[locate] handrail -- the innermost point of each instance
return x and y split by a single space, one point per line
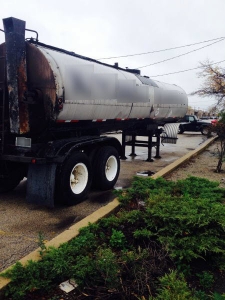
34 32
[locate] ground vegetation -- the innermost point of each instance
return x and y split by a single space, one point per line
166 241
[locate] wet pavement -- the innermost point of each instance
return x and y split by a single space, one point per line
21 223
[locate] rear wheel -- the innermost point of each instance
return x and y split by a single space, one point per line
205 130
75 179
106 168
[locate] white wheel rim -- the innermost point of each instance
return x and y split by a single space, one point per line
78 178
111 168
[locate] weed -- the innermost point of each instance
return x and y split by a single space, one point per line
41 243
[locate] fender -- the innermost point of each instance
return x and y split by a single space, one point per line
58 151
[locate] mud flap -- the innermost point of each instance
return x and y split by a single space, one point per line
41 184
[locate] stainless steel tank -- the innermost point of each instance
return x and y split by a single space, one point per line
47 85
94 91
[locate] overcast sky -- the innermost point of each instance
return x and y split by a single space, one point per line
106 28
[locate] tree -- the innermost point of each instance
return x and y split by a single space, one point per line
213 110
218 128
214 84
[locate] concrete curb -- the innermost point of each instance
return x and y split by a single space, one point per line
104 211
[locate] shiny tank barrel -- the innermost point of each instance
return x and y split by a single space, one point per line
49 87
94 91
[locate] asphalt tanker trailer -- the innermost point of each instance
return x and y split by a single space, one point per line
55 106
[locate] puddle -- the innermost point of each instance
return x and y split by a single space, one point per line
145 173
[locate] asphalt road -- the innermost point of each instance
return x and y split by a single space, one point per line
21 223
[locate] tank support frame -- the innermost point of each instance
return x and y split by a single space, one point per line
129 138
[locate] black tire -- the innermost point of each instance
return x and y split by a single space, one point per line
106 168
180 130
13 173
205 130
71 189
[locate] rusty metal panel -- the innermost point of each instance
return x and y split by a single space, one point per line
4 111
16 74
40 82
2 62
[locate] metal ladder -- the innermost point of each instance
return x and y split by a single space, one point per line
2 106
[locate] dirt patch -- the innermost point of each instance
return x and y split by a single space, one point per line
203 165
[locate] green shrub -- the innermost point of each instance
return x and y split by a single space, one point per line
107 266
160 225
187 217
173 287
206 280
117 239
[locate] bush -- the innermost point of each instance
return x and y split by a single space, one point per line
187 216
161 226
173 287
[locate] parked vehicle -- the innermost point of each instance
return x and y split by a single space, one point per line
54 107
192 123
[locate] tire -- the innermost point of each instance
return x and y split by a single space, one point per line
74 179
106 168
14 174
180 130
205 130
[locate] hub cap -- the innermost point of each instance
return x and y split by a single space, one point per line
78 178
111 168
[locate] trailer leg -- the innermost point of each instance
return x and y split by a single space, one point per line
133 145
150 149
157 146
123 156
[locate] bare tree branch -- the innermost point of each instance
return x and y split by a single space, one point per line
214 84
